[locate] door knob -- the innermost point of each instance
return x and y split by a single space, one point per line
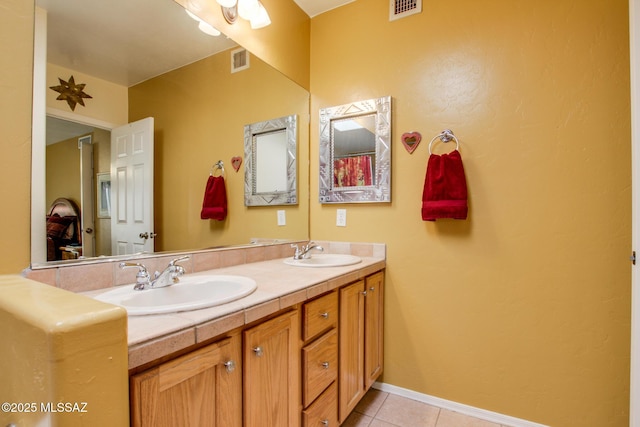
88 230
144 235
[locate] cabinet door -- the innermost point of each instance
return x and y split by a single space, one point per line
373 327
272 373
351 372
197 389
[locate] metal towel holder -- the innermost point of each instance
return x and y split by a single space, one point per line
218 165
445 136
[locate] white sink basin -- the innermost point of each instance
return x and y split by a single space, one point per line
191 293
324 260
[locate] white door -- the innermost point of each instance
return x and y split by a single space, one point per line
634 29
87 196
132 188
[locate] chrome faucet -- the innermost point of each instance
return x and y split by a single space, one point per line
303 252
169 275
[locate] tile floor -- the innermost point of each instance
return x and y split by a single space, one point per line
382 409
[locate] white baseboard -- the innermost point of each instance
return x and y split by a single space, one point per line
483 414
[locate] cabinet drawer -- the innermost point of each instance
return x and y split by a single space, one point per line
324 411
319 366
319 315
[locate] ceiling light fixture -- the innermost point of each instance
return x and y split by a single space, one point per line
203 26
250 10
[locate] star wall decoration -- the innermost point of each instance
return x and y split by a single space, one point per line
71 92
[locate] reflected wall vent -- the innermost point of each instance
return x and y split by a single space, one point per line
239 60
403 8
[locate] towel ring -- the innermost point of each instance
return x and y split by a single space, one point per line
445 136
218 165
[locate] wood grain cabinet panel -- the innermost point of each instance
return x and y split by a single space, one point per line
319 315
272 373
202 388
361 340
319 366
324 411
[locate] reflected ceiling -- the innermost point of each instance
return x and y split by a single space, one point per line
88 42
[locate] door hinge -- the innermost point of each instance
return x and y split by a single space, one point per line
633 258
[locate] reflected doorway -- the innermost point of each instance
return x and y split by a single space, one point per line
75 154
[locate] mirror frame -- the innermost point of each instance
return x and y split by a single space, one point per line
380 191
252 132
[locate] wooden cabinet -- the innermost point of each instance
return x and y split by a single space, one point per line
202 388
373 328
320 361
272 372
361 342
324 411
285 371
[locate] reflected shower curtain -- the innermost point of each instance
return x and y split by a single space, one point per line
352 171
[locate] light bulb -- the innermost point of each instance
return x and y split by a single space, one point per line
261 18
192 15
208 29
227 3
247 9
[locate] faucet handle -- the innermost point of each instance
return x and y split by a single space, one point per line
182 258
142 276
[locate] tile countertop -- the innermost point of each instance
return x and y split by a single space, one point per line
279 286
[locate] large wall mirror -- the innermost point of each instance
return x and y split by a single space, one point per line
198 104
355 152
270 150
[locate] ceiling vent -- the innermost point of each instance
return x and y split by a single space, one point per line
403 8
239 60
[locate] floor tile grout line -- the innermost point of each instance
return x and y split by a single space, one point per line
381 405
438 416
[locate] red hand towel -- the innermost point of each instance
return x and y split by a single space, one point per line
214 205
445 188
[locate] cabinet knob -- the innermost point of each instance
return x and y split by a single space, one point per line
230 365
324 315
364 293
258 351
372 288
325 365
324 422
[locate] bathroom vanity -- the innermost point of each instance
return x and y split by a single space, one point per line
301 350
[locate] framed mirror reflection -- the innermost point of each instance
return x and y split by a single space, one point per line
270 154
355 152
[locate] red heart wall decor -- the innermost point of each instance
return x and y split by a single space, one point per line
410 140
236 161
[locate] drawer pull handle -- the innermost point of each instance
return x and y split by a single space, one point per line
258 351
230 365
325 365
324 315
324 422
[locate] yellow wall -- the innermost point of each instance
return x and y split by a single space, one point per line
200 112
524 308
63 171
108 103
16 49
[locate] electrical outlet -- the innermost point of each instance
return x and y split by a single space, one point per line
282 218
341 217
